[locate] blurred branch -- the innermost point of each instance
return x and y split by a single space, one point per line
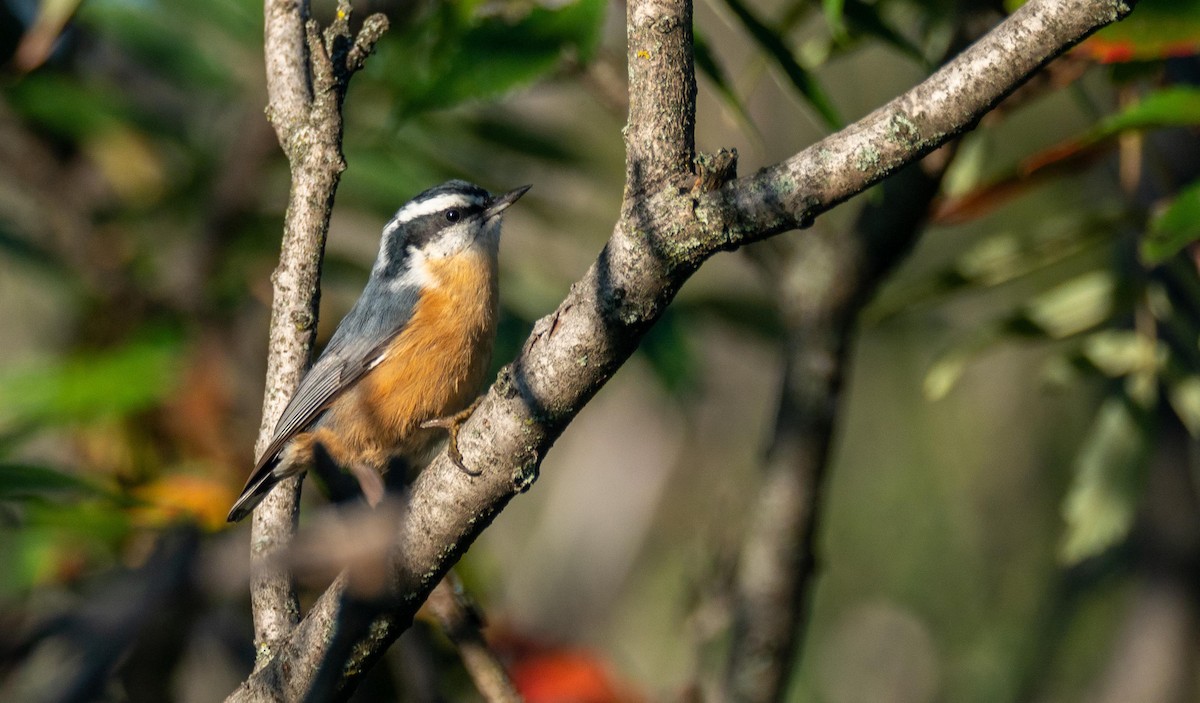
461 622
77 651
307 77
667 229
821 284
772 42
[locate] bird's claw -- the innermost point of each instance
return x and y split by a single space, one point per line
452 423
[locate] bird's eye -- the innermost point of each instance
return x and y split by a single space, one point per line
453 215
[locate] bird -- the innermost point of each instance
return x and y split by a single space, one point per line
405 363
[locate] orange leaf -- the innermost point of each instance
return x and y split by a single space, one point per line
1068 157
565 676
175 496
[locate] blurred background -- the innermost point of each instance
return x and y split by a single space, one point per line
1009 510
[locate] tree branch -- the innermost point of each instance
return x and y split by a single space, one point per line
463 624
304 106
660 136
821 283
658 243
951 101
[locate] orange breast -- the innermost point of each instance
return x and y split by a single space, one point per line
434 368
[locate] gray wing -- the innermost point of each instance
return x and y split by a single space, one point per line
356 347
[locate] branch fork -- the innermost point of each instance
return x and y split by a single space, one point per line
671 221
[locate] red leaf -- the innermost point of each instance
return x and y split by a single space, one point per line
565 676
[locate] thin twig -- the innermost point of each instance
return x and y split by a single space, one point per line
463 624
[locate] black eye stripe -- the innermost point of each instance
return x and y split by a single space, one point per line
458 214
421 230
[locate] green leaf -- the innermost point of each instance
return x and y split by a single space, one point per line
1184 396
946 371
458 55
1170 107
1008 256
773 44
21 481
1173 228
1100 505
1073 306
1118 353
706 61
835 18
99 385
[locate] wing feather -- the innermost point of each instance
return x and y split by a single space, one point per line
357 346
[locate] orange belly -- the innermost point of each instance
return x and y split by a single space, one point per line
434 368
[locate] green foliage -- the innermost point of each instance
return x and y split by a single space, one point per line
1073 306
1175 227
472 52
176 78
156 37
59 541
1130 325
68 107
1167 107
90 386
28 482
1109 475
803 81
835 17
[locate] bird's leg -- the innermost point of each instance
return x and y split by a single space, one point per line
452 423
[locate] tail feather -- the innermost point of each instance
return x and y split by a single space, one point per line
256 489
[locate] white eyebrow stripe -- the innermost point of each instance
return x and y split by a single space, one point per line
412 211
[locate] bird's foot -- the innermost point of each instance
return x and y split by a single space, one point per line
452 423
370 482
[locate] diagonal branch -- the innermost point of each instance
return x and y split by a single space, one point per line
463 624
661 239
951 101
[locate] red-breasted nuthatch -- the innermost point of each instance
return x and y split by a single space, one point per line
408 358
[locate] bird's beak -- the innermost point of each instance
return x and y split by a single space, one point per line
501 202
